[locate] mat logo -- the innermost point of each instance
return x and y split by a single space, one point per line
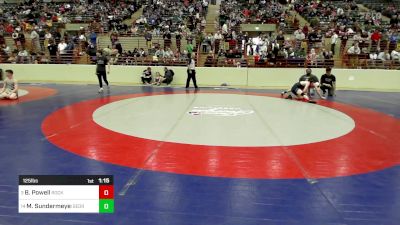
219 111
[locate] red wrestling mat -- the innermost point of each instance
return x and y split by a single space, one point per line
35 93
372 145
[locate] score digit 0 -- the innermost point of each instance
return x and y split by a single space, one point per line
106 192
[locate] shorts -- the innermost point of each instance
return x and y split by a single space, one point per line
295 88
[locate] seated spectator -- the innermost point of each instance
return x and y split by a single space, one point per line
312 57
384 55
147 76
23 56
395 55
327 54
5 49
12 58
354 50
373 55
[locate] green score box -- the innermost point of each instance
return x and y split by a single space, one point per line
106 206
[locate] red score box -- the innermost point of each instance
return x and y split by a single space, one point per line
106 192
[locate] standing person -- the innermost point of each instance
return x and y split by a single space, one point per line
178 37
21 37
334 40
101 72
191 72
53 49
42 34
148 36
35 42
62 51
10 88
328 82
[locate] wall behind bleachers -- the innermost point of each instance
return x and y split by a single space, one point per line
371 79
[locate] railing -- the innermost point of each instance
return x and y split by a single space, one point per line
348 61
68 57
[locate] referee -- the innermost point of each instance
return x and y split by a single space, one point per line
101 72
191 72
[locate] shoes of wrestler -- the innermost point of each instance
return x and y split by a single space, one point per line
289 97
101 90
283 93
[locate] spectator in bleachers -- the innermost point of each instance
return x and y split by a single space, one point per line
375 38
354 49
23 56
395 55
148 36
35 42
312 57
373 55
12 58
62 46
383 55
53 49
334 40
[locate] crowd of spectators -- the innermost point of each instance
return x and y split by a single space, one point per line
368 32
41 22
233 13
170 20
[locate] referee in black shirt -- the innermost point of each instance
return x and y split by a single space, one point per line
191 72
101 72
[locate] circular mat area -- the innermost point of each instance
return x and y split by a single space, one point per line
227 134
223 120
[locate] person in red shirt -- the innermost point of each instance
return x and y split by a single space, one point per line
9 28
246 12
375 37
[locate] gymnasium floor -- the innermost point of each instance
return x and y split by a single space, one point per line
213 156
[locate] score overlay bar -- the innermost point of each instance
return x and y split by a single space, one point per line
66 194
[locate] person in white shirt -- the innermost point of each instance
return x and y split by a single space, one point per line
373 55
35 40
299 35
384 55
334 39
61 47
5 49
62 50
205 5
395 55
191 72
312 57
225 28
354 50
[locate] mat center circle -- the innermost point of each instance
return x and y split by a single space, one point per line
223 120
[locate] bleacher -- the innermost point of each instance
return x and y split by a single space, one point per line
130 41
